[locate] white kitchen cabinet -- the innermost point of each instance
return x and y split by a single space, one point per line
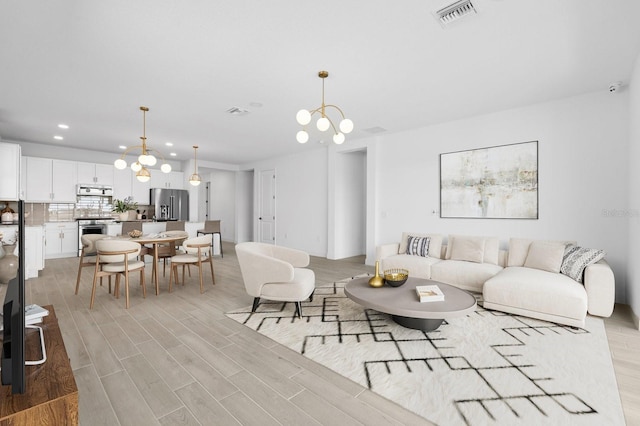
50 181
114 229
172 180
122 184
9 171
101 174
125 184
33 250
61 239
140 191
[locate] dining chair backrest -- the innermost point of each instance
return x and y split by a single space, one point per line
175 225
130 226
187 246
89 243
212 226
106 246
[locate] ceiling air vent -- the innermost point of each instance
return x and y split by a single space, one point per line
237 111
455 11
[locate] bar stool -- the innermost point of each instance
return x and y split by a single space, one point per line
212 227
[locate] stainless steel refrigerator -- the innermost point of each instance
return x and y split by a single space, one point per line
170 204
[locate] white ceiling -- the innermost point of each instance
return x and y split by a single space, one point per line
91 64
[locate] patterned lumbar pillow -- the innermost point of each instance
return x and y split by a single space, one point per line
418 246
576 259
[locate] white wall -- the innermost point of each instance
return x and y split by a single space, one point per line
583 146
222 201
350 200
633 265
301 200
244 206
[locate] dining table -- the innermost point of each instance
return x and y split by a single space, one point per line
155 240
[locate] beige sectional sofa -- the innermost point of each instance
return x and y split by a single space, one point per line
524 280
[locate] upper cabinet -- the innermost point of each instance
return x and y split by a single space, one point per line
173 180
50 181
9 171
102 174
126 185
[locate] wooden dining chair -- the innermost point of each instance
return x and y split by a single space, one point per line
168 250
212 227
130 226
175 225
196 252
118 257
87 255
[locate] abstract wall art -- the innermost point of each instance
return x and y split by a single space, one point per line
499 182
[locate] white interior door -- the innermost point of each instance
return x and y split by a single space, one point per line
267 213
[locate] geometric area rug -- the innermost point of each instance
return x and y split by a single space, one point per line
486 368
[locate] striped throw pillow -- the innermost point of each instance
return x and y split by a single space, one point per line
576 259
418 246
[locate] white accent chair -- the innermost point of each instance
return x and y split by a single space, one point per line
275 273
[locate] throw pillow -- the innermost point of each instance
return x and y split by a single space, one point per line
470 249
418 246
576 259
519 248
545 255
435 243
491 250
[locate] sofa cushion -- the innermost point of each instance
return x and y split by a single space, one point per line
519 248
470 249
465 275
576 259
419 267
435 243
535 290
418 246
490 253
545 255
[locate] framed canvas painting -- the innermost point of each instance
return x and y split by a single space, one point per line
499 182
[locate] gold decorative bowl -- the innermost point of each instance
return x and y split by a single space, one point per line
396 277
136 233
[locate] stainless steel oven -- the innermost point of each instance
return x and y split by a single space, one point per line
91 226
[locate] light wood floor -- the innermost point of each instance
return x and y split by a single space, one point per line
176 359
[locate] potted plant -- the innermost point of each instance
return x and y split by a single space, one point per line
122 207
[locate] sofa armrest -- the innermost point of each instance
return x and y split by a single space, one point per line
386 250
600 285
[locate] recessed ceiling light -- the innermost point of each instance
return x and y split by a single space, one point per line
237 111
173 154
59 138
63 126
169 144
122 147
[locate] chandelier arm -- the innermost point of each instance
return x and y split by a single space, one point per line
129 149
335 131
338 108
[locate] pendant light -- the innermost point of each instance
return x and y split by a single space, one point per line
194 179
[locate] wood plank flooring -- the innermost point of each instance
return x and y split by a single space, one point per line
175 359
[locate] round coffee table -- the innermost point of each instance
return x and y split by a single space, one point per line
403 305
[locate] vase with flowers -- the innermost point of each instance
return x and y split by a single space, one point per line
123 207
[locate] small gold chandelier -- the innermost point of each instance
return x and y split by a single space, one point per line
304 117
145 158
194 179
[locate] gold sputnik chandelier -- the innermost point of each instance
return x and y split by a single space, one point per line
324 122
146 158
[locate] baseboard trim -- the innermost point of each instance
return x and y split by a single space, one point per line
636 320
